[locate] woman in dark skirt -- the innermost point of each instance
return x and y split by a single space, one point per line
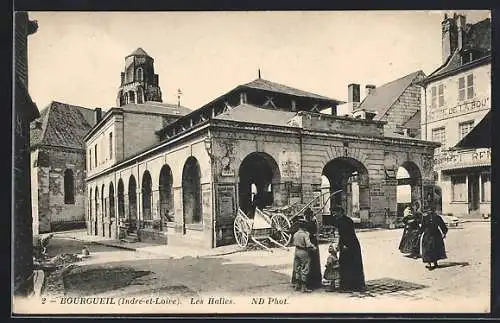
410 241
432 241
352 277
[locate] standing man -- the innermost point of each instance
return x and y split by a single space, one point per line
302 258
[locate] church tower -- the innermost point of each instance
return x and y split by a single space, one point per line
139 83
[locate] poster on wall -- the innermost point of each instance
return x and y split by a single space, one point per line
429 198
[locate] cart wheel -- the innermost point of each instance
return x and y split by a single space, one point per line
281 229
241 231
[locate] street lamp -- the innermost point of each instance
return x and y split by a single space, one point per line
208 146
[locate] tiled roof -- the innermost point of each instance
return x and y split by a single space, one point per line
62 125
250 113
382 98
157 107
139 52
479 136
477 39
266 85
413 122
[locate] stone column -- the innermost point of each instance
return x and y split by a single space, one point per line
390 191
140 217
155 204
89 217
178 210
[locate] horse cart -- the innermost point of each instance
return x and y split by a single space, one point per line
274 224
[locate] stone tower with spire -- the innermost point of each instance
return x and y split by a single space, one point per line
139 83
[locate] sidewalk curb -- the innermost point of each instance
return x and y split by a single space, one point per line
112 245
103 243
475 220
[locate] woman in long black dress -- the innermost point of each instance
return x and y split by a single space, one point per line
314 280
410 241
432 241
352 277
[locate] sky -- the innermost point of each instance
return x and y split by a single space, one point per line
77 57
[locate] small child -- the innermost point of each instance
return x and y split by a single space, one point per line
332 275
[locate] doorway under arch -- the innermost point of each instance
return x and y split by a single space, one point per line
259 178
166 196
91 219
96 206
351 177
146 196
103 211
121 200
191 192
409 189
111 196
132 202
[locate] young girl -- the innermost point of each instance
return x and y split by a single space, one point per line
332 275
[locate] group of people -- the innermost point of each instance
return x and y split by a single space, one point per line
423 236
344 265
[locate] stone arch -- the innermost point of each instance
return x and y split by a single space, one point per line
409 178
121 199
90 216
132 203
259 177
140 74
351 177
355 153
103 209
96 207
165 188
131 96
111 196
146 191
191 191
140 95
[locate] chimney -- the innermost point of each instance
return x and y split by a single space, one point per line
448 36
460 21
352 97
333 110
369 89
97 115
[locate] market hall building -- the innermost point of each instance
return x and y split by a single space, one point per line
172 176
456 112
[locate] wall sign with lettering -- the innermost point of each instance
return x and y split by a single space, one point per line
451 159
462 108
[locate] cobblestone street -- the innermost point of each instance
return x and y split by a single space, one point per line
395 283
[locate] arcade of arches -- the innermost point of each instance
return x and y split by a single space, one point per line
260 181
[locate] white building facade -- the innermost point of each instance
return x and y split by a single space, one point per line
457 97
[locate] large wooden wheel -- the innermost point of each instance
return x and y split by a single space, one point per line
281 229
242 231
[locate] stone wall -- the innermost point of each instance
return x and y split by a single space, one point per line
140 132
403 109
53 213
174 157
346 125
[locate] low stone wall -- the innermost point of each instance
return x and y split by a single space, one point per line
150 235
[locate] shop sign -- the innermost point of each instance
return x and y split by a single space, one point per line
462 108
463 158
